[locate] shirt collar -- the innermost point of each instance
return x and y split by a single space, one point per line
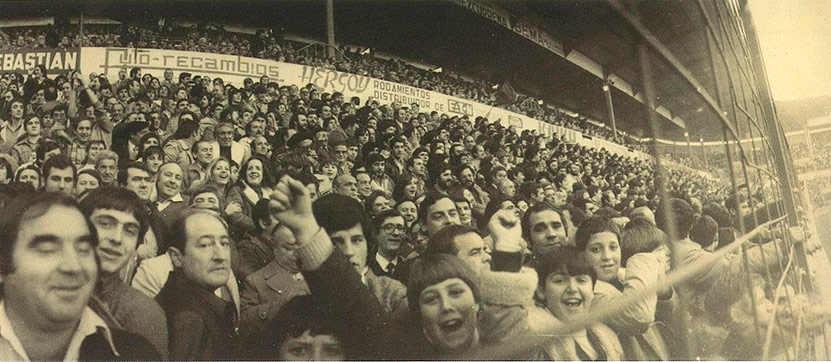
176 198
89 324
383 262
363 274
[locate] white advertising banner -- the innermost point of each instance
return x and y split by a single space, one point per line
230 68
234 69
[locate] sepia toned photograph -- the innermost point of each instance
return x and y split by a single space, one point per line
599 180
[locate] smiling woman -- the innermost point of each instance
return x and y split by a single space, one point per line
443 295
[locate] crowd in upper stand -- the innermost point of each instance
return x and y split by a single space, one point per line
215 39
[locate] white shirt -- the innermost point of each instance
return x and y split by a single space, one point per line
11 349
133 149
384 263
163 205
363 274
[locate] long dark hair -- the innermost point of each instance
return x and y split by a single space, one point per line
268 175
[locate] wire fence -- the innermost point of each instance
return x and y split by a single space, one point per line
776 288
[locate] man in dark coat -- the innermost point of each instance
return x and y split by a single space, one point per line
201 326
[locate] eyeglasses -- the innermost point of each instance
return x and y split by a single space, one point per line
390 228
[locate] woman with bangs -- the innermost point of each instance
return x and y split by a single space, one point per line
642 249
219 176
406 187
444 299
566 291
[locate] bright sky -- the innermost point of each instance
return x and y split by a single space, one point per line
795 36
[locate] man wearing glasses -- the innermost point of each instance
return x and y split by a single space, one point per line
391 232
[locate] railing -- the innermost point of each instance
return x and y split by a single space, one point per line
780 329
677 279
321 51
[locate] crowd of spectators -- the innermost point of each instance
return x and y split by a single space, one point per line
186 218
215 39
821 160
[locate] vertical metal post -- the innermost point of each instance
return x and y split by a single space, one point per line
689 146
775 133
607 90
330 28
679 318
81 28
741 230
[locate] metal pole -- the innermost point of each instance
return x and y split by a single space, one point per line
776 135
689 146
330 28
81 28
745 263
679 320
607 90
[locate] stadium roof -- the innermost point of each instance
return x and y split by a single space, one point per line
592 35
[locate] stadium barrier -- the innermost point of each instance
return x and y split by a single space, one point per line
520 345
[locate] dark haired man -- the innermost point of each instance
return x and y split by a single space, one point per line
390 231
49 269
441 178
376 164
59 175
544 228
256 250
136 178
437 211
120 222
349 228
396 165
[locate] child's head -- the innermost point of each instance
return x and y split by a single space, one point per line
599 239
300 331
643 239
704 232
566 282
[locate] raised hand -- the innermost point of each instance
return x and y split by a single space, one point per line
504 227
233 208
292 206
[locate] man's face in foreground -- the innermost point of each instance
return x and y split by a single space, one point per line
54 268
